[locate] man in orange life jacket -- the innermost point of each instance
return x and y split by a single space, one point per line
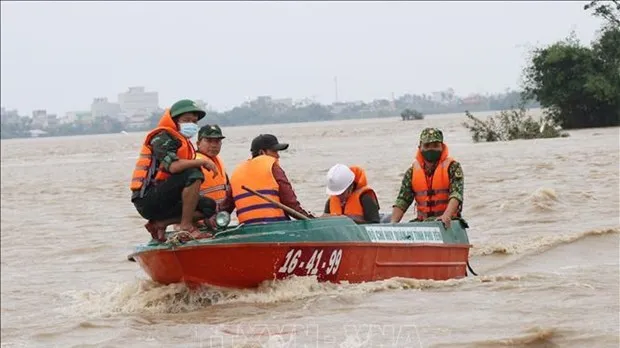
209 146
263 174
435 181
350 195
167 176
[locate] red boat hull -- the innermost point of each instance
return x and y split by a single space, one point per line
248 265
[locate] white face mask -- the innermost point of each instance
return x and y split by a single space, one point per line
188 129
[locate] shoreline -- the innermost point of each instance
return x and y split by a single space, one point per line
534 111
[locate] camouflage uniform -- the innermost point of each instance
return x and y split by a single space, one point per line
212 131
164 201
165 150
455 173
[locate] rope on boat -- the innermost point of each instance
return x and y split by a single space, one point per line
174 238
470 269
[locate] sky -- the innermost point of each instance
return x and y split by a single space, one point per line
59 56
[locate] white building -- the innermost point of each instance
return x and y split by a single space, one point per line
41 119
138 120
70 117
137 101
101 107
82 117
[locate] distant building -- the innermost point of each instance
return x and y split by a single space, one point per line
51 121
84 117
303 102
444 97
338 107
39 118
261 102
101 107
10 116
42 120
380 104
138 120
70 117
288 102
81 117
137 101
473 99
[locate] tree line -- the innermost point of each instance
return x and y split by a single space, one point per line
578 86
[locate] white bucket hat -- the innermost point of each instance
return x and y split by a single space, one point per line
339 177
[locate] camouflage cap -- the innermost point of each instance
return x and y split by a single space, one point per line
431 135
210 131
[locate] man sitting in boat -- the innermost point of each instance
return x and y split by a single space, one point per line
350 195
166 180
209 146
263 174
435 181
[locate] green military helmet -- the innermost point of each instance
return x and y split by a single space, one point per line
212 131
186 105
431 135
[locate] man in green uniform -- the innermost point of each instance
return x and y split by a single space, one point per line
431 153
175 198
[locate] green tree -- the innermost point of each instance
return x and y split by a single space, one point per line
19 129
580 86
608 10
409 114
510 125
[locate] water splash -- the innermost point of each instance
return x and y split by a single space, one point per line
145 296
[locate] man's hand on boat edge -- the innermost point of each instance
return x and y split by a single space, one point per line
446 220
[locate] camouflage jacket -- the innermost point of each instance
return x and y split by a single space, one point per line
165 149
405 194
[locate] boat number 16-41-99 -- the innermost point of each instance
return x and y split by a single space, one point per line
310 261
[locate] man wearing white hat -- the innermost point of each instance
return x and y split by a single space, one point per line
350 195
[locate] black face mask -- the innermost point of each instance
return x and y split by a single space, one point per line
431 155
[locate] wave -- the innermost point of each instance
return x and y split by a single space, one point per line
543 199
534 337
538 244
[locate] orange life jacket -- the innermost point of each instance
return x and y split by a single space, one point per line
145 169
431 193
214 188
353 206
256 174
360 176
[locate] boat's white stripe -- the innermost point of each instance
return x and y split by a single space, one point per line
410 234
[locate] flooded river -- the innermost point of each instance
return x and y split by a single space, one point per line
544 217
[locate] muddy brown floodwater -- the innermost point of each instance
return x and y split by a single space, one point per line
544 217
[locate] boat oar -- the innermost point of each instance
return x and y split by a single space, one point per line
290 211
